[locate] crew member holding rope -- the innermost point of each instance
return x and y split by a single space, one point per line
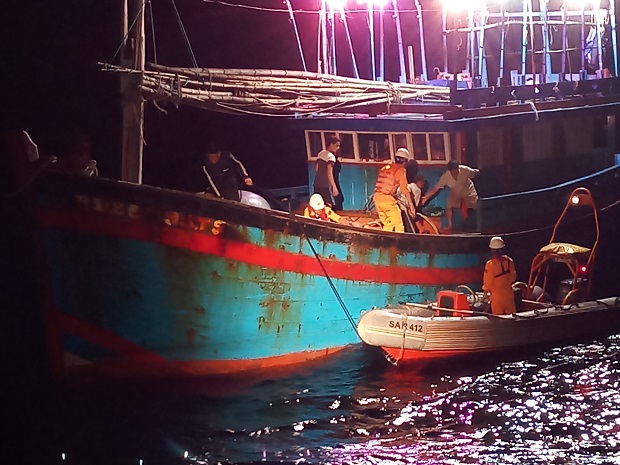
392 176
499 276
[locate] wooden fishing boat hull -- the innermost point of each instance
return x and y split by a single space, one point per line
410 333
147 280
134 280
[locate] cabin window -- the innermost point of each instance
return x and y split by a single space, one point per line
375 147
347 148
399 141
420 151
438 147
432 147
314 143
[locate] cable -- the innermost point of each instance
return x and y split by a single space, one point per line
152 31
185 37
331 283
124 39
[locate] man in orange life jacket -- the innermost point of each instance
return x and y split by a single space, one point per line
390 178
499 276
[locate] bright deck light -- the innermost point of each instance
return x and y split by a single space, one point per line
372 2
460 5
336 5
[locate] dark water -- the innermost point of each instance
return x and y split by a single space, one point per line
549 406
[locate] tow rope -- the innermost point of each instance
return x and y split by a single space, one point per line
331 283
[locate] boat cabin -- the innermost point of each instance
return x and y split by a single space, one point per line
531 148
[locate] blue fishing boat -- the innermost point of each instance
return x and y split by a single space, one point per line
140 280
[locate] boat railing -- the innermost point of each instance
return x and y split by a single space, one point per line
479 97
506 213
292 197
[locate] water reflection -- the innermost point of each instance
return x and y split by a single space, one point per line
559 406
562 406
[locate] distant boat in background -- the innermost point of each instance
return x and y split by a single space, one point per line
138 280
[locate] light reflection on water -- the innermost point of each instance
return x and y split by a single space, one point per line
560 406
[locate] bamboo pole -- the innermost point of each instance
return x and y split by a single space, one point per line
132 56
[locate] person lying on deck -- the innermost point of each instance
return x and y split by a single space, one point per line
317 210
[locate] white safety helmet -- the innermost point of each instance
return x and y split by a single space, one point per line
403 153
496 243
316 202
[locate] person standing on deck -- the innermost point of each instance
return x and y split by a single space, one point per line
391 177
499 276
224 172
324 182
339 198
462 191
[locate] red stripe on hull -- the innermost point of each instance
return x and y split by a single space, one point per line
135 360
169 368
106 339
255 255
409 355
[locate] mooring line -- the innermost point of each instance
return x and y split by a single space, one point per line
331 283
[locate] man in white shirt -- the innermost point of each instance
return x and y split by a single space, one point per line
462 191
324 181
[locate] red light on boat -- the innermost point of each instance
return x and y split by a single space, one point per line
583 269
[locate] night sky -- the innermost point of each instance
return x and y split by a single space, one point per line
57 92
55 89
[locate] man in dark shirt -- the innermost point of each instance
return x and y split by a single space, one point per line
224 172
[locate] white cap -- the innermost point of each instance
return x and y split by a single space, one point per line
496 243
403 153
316 202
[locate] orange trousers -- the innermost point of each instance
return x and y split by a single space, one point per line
389 212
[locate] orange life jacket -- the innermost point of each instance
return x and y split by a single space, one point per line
320 215
387 182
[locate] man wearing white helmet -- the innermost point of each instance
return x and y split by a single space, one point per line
499 276
319 211
392 177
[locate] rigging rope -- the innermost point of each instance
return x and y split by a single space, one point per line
129 29
153 31
185 37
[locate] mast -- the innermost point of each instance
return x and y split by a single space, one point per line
399 37
418 8
133 57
